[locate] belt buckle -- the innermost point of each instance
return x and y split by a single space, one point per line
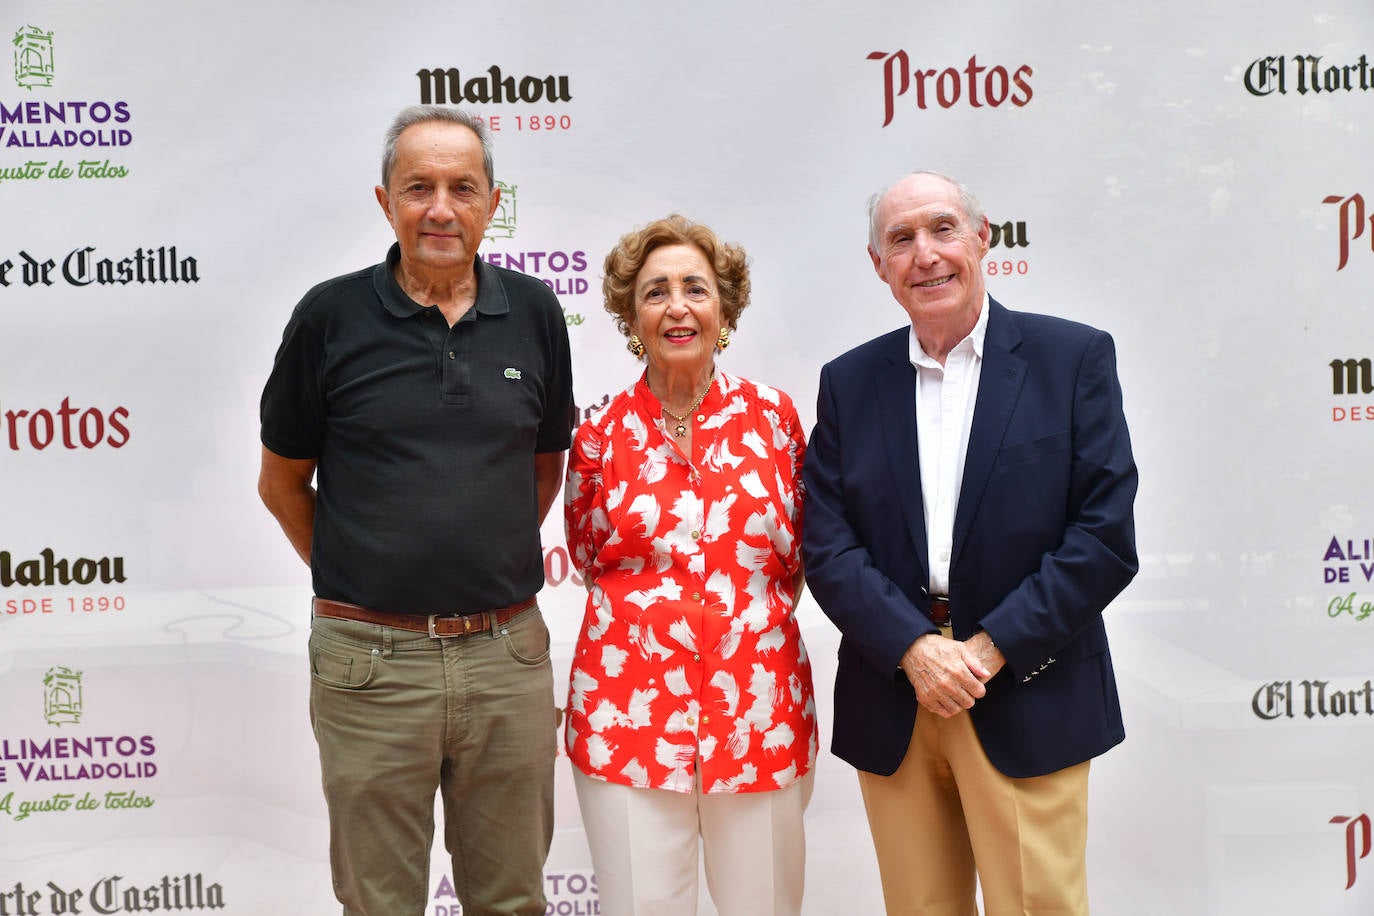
472 623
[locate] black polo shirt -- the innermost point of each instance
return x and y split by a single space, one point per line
424 435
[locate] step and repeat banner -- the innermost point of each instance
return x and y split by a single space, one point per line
1197 181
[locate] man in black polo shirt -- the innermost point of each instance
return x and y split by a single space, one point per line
432 394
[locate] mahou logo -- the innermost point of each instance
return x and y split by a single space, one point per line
1352 376
976 85
47 569
1352 223
439 86
1009 234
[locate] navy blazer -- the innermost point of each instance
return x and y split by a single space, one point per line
1044 538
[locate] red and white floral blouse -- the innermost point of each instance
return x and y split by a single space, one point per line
689 649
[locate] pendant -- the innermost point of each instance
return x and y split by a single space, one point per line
680 431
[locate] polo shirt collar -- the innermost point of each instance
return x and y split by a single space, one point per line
491 294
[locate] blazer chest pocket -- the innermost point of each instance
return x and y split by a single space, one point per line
1036 448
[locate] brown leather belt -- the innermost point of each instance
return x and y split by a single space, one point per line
436 625
939 611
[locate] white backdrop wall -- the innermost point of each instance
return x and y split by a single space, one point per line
1157 177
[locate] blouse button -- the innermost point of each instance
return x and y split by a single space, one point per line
696 535
696 658
701 418
691 720
705 720
696 596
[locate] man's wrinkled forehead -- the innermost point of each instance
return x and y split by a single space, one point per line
906 222
903 214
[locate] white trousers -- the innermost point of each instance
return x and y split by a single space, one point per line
645 842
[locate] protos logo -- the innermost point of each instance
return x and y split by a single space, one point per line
72 426
1357 843
1352 223
975 84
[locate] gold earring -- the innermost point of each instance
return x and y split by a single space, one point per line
635 346
723 339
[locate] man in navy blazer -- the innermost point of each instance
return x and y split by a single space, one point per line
969 489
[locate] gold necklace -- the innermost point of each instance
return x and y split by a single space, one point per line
681 429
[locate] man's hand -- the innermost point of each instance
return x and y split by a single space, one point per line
983 649
948 675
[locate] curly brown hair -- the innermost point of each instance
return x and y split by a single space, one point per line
626 259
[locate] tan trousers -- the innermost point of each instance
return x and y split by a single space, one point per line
644 845
947 807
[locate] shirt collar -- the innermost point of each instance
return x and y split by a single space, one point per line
491 294
715 397
974 339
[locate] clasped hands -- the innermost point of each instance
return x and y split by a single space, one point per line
948 674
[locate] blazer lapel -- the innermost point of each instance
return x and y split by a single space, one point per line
999 386
896 392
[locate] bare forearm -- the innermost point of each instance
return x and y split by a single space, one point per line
284 484
295 513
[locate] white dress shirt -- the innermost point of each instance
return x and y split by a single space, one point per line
945 396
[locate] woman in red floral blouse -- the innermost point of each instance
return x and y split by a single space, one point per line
691 712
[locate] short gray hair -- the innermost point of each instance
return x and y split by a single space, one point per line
421 114
972 209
